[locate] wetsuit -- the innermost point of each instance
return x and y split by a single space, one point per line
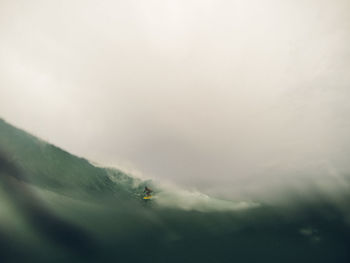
147 191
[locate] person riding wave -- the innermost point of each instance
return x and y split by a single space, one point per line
147 191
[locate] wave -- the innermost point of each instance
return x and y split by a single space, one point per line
57 207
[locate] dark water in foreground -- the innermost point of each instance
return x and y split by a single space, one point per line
55 207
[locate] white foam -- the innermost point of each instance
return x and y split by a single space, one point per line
174 197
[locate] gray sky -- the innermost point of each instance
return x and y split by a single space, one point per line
225 96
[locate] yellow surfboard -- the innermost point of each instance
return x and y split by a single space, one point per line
148 197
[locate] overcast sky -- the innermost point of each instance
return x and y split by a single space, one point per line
224 96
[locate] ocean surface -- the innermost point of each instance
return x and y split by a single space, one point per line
57 207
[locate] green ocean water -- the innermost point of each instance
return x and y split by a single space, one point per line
56 207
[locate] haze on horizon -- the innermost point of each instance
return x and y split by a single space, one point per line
229 97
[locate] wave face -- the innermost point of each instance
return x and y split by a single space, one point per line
56 207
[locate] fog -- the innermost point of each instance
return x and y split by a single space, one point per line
228 97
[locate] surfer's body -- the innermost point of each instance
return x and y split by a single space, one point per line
148 193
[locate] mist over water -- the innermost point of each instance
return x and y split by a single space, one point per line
234 112
243 99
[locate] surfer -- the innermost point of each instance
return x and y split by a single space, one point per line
147 191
